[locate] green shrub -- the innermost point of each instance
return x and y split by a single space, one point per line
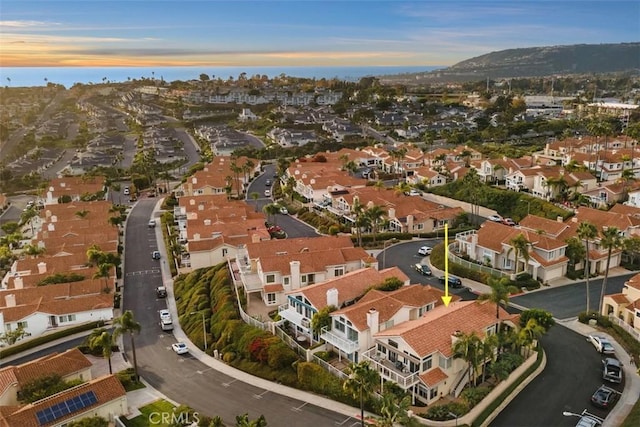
472 396
441 412
542 317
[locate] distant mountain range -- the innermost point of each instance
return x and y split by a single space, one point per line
538 62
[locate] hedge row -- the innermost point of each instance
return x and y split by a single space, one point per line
44 339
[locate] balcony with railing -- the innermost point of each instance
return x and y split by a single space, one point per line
391 371
287 312
251 280
345 345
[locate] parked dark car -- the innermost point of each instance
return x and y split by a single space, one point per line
161 292
155 255
604 397
612 370
454 281
422 269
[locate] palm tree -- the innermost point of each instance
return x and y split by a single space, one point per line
103 271
500 291
255 196
126 324
531 331
375 214
393 411
358 211
272 211
520 245
244 421
611 239
467 348
361 382
587 231
102 339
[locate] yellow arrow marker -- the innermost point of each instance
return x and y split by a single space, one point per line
446 298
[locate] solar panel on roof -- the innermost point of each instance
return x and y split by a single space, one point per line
69 406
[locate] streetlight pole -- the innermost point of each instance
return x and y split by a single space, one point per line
384 251
204 329
451 414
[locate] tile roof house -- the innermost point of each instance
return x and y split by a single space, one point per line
270 268
340 291
418 354
218 175
352 327
74 187
624 307
102 396
70 365
491 245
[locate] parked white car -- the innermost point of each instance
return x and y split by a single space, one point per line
164 314
601 344
495 218
180 348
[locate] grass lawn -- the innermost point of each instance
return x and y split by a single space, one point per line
633 419
159 406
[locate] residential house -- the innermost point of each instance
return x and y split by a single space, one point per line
271 268
304 302
625 306
634 198
418 355
492 246
74 188
426 176
104 397
553 182
223 175
69 365
352 328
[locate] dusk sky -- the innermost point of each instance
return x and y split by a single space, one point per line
298 33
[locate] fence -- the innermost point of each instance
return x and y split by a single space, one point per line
474 266
630 329
302 352
329 367
265 326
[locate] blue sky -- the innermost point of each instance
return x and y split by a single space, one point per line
298 33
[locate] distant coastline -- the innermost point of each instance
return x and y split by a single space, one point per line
68 76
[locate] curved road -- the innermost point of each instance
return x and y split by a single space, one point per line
185 379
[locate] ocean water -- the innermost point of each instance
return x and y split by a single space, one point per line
68 76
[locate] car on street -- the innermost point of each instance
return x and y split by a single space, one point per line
509 222
126 191
165 314
611 370
604 397
161 292
267 193
602 344
422 269
413 192
283 210
495 218
152 223
454 281
425 250
180 348
155 255
268 183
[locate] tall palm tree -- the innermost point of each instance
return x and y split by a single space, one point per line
102 339
126 324
358 212
361 383
611 239
255 196
375 214
520 245
104 272
393 411
271 210
500 291
587 232
467 348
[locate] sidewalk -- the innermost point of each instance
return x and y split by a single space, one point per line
631 390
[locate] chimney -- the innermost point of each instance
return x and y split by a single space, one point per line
409 223
10 300
559 219
51 227
294 266
194 180
42 267
574 219
207 222
455 337
392 213
18 283
332 297
373 320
